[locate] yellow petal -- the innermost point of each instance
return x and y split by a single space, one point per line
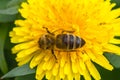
92 69
68 70
24 60
117 27
27 52
115 41
111 48
77 77
37 58
90 54
40 72
48 65
85 71
74 67
55 69
48 55
101 60
49 74
73 56
97 48
115 13
22 46
40 77
56 77
78 67
63 59
61 73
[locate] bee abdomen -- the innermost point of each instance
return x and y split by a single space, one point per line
69 41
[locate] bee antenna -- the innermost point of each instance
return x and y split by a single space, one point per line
47 29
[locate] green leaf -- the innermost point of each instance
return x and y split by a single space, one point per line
19 71
114 59
14 2
3 33
7 18
117 2
7 13
10 7
3 3
26 77
10 10
107 74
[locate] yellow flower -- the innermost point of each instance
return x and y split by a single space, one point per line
95 21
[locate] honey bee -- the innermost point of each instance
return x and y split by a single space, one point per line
64 41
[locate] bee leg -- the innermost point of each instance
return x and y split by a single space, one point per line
53 54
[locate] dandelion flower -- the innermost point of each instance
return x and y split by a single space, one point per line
95 21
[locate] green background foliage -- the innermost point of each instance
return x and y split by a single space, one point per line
8 66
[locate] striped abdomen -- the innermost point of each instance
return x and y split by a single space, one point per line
69 41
